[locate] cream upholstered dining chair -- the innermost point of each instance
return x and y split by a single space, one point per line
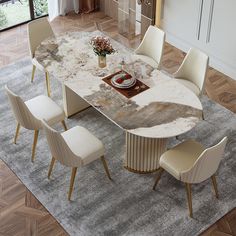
190 163
29 114
192 72
74 148
151 48
38 30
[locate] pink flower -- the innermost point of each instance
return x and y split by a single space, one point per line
102 45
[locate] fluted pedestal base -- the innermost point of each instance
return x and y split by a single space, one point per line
142 154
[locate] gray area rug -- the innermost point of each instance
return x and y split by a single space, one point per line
127 205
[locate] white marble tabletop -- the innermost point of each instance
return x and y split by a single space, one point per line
165 110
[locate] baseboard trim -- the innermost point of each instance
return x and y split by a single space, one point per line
215 62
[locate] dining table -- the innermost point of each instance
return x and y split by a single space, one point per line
155 109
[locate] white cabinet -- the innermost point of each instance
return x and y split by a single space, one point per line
221 35
206 24
181 17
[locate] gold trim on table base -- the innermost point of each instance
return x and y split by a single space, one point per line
140 172
142 154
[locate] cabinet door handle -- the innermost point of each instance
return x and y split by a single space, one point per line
148 3
199 19
208 38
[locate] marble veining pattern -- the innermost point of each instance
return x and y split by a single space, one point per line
166 109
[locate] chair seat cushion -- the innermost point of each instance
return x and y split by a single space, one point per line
83 144
181 158
43 107
38 66
147 59
189 85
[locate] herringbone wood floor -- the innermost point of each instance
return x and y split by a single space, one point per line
20 212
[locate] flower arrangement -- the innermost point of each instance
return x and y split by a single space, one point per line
102 46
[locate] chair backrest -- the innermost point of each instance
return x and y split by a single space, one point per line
22 114
152 44
38 30
194 68
59 148
206 165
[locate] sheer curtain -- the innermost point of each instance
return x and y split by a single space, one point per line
61 7
86 6
68 5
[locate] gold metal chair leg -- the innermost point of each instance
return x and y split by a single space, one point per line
48 84
106 167
17 132
64 125
189 195
36 134
158 178
203 117
33 72
51 167
214 183
72 180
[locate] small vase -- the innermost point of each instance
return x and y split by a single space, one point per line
102 62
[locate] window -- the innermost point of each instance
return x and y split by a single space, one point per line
14 12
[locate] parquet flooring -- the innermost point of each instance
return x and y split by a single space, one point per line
20 212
